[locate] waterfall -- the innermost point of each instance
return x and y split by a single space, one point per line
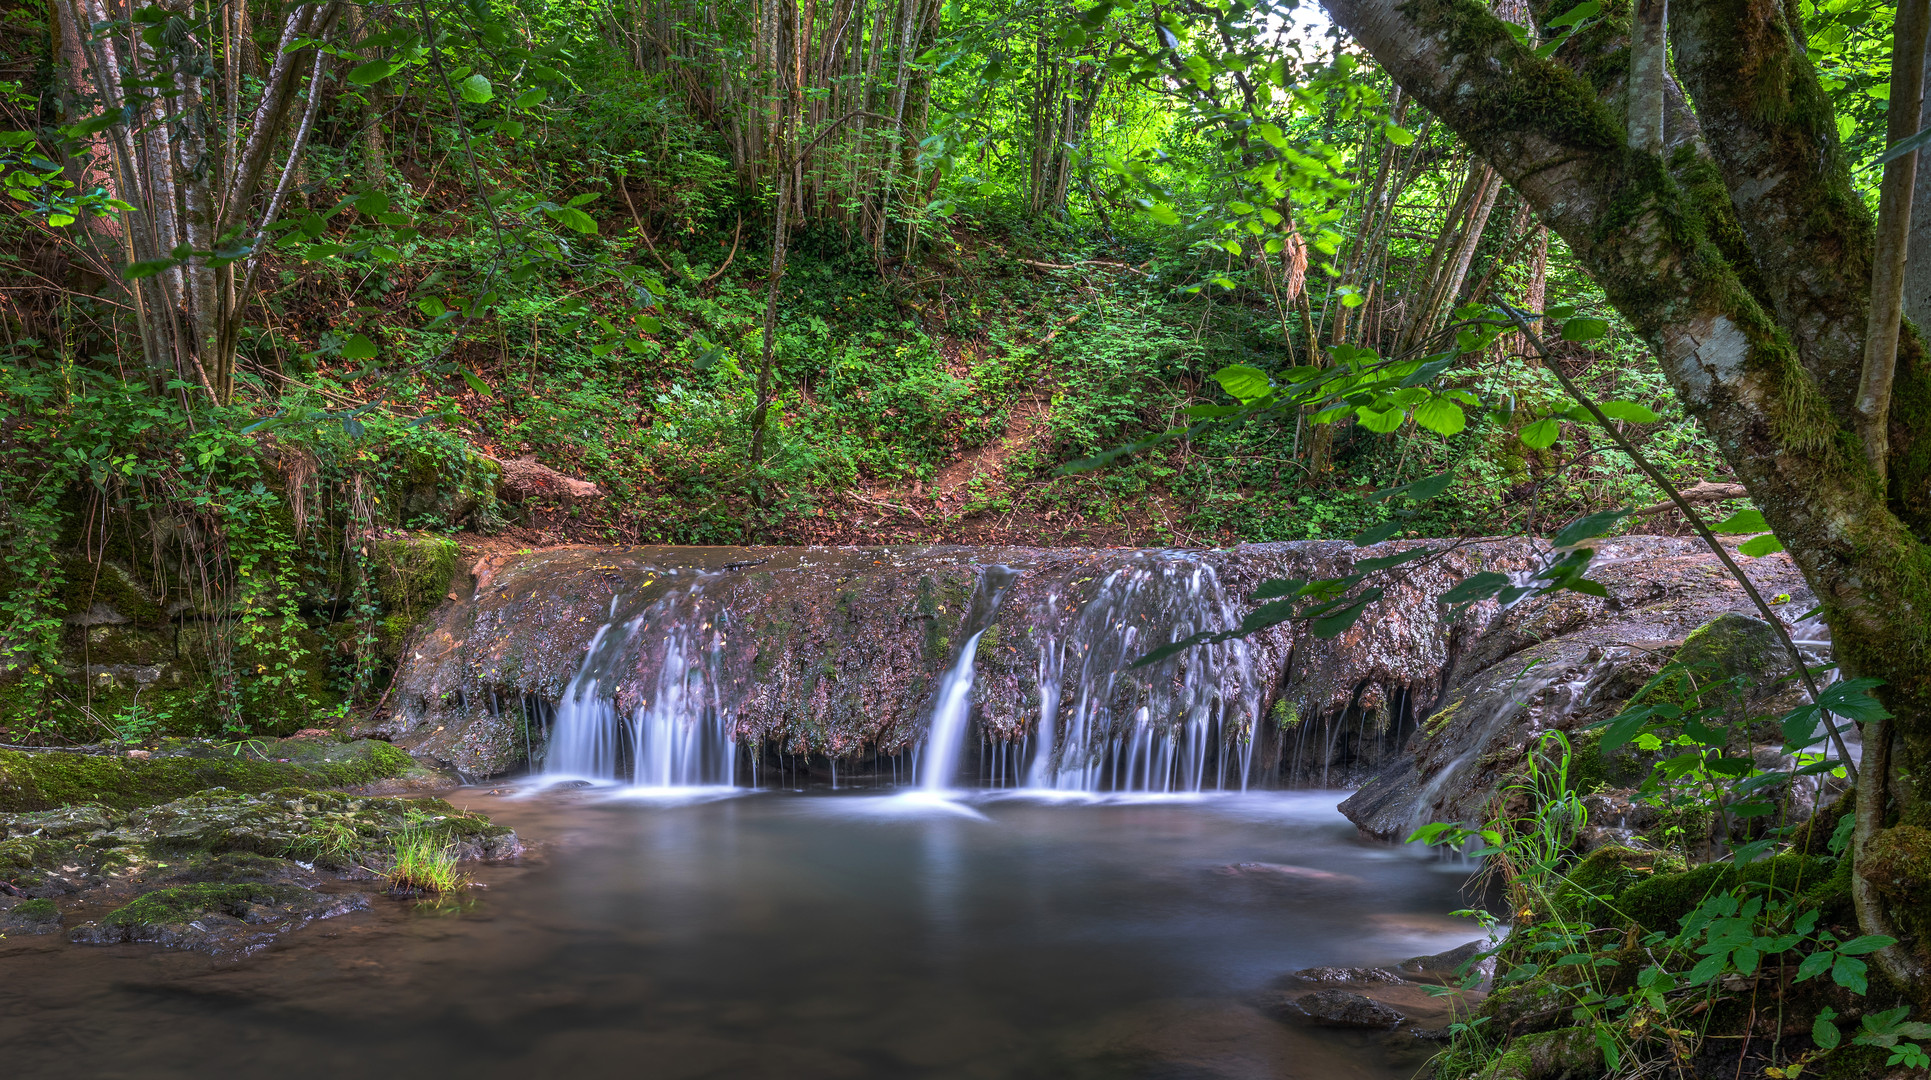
679 734
952 705
1182 725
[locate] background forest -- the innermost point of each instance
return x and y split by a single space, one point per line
295 292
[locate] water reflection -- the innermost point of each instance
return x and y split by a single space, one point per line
797 936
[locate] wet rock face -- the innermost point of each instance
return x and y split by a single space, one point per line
837 651
1563 662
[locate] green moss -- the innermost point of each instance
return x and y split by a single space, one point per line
35 910
1542 95
30 781
1661 902
186 902
988 643
1588 893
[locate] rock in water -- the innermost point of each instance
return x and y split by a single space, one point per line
1448 966
1348 975
223 920
1335 1008
36 916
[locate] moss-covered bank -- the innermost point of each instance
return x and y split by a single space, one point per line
44 781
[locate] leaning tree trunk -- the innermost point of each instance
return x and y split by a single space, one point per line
1743 256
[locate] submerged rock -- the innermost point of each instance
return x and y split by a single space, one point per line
1335 1008
221 919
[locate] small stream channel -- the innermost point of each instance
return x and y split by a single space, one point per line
797 935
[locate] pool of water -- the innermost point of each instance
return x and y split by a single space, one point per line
779 934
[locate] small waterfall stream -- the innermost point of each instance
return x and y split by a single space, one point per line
1181 725
952 707
680 734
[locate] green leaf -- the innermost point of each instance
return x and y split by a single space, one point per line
1584 528
1628 410
1865 944
1441 416
1375 534
1759 546
430 306
1814 965
1476 587
531 98
1584 329
1398 135
1334 625
1743 521
358 347
1824 1033
146 268
573 218
1851 974
371 73
581 200
1163 213
1381 423
650 324
1851 699
476 89
1589 9
1540 435
1244 383
476 384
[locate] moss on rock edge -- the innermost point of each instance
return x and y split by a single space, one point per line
43 781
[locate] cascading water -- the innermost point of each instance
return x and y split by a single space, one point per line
680 735
1183 724
952 705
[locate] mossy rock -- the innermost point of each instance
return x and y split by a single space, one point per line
1592 885
43 781
412 576
35 916
1565 1054
224 919
1661 902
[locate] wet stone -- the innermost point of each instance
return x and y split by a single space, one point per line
1447 966
1334 1008
28 916
219 919
1348 975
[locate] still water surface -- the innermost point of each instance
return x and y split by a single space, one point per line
790 935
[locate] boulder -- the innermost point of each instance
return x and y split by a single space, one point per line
1335 1008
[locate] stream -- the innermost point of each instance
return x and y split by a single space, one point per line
739 933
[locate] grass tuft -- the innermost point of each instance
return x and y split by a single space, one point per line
425 864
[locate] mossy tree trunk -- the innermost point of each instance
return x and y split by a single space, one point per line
1743 255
